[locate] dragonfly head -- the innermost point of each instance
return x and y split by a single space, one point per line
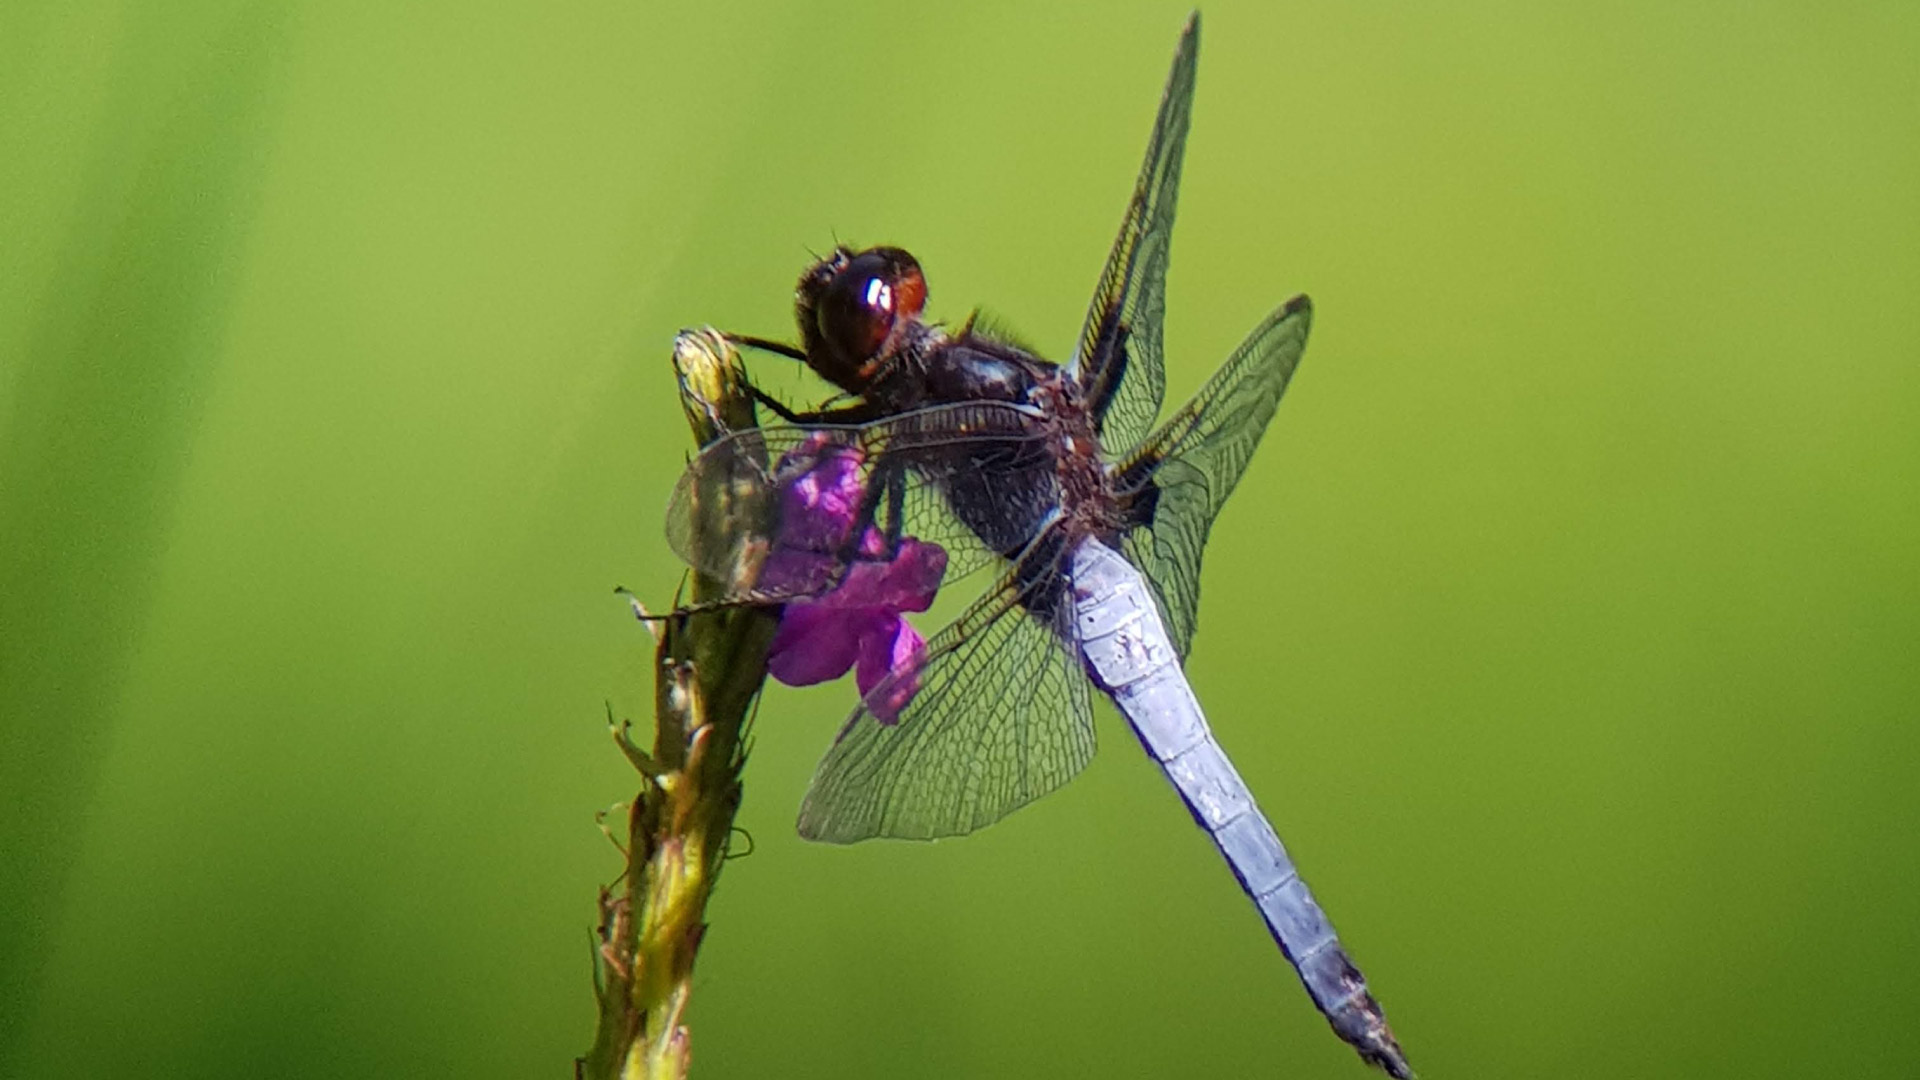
853 308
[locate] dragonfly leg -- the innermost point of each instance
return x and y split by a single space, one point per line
858 413
778 348
754 598
774 405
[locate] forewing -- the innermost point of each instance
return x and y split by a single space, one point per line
1180 477
1119 362
724 514
1002 717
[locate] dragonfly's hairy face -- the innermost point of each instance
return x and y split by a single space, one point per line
853 308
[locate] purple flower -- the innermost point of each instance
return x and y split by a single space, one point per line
856 624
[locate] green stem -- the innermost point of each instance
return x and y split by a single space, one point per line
708 670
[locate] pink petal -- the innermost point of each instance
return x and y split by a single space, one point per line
889 668
813 644
914 576
855 624
793 571
818 506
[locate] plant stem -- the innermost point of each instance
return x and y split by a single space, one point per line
708 670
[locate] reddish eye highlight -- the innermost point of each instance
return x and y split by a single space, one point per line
910 290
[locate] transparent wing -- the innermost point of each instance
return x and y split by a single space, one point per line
1002 716
1118 361
1176 481
904 475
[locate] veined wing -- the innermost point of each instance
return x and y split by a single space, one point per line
1002 716
1178 479
824 497
1118 360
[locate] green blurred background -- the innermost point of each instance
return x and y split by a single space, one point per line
1568 623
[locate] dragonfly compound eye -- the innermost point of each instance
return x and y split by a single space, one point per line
858 311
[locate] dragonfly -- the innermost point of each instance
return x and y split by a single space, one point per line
956 451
